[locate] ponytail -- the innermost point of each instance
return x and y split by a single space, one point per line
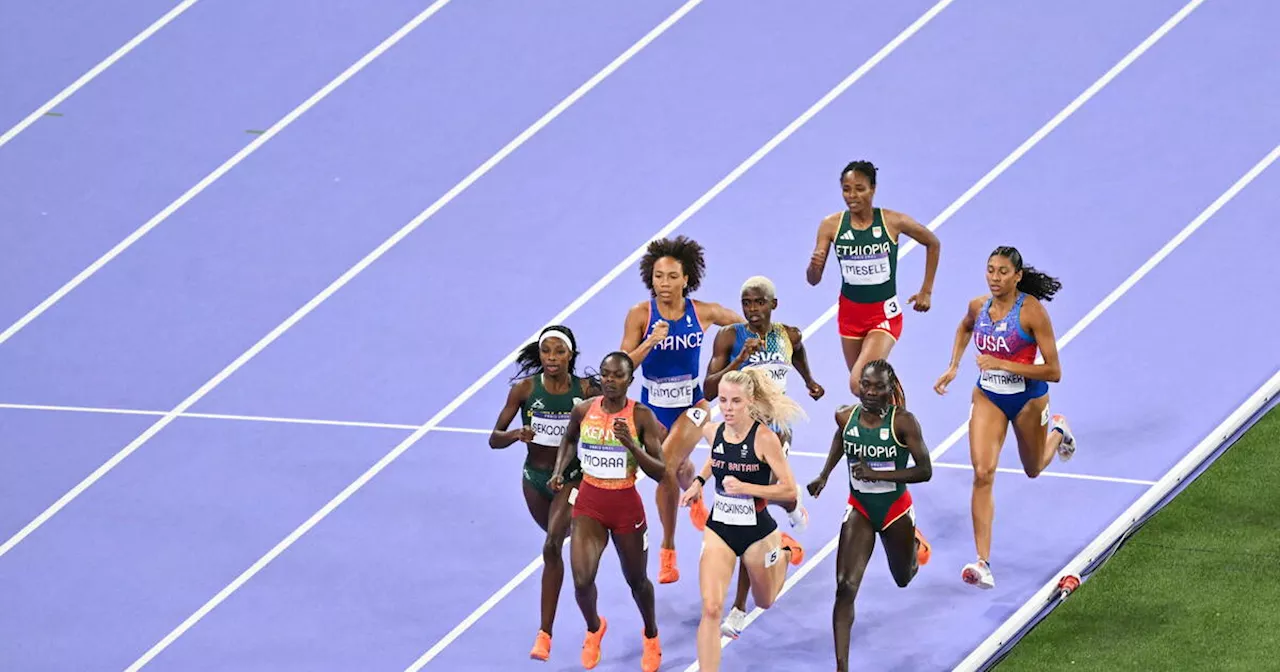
1036 283
529 359
768 403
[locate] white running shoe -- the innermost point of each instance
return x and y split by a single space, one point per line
734 623
1067 448
978 574
799 518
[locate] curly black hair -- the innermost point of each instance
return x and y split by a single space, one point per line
1036 283
865 167
687 251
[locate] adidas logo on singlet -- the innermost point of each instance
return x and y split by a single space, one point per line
847 235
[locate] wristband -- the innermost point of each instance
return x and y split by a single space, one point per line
700 479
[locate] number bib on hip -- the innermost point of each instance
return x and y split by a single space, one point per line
1002 382
734 509
603 461
675 392
873 487
549 429
866 271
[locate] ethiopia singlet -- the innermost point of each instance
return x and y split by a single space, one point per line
868 260
774 357
548 414
606 463
1003 339
882 451
740 461
670 370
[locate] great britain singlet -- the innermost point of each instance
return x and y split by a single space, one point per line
606 463
548 414
740 461
1003 339
670 370
774 357
882 451
868 260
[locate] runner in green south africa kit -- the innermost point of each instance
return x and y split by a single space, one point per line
544 400
875 437
865 239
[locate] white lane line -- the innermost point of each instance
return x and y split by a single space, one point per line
1054 474
219 172
1040 134
338 284
628 263
95 71
1062 343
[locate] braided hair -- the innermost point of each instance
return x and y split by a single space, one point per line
1033 282
883 366
685 250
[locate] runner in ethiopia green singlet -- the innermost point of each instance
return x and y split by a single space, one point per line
548 415
868 261
882 502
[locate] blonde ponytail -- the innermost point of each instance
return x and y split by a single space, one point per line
768 403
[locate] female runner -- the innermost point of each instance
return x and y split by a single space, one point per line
544 399
776 349
745 455
875 438
664 337
1012 389
617 436
866 244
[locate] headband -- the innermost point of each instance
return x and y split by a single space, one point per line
556 333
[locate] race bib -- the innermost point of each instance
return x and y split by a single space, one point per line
1002 382
671 392
891 308
603 461
548 429
869 271
734 509
873 487
777 373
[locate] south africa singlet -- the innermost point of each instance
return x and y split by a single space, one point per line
670 370
868 260
548 414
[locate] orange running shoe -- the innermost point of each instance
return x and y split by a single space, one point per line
797 551
541 647
667 570
923 550
591 645
698 513
652 657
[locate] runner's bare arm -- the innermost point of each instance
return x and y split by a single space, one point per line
500 437
904 223
818 260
